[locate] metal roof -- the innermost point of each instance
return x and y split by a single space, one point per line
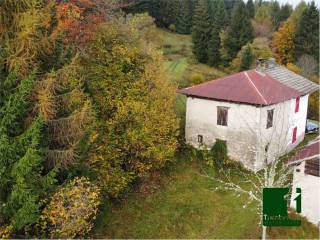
289 78
251 87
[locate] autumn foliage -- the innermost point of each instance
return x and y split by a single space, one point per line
71 209
283 44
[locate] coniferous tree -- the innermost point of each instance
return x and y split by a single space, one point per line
201 30
214 47
285 12
212 4
220 20
306 40
23 178
240 31
250 8
221 16
246 58
184 21
275 14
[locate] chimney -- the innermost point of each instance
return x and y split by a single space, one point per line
262 64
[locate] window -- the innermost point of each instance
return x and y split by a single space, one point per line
297 105
294 135
200 139
270 118
222 116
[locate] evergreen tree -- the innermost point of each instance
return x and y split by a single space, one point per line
306 40
201 30
184 21
221 16
214 47
285 12
23 179
246 59
250 8
240 31
220 20
212 9
275 14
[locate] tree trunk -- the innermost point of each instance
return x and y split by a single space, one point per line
264 232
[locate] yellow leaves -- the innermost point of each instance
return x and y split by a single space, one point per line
283 44
71 209
294 68
6 231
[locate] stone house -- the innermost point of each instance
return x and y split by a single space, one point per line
261 113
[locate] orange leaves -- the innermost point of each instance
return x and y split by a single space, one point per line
68 14
283 44
79 20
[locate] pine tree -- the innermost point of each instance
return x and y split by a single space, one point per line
201 30
306 40
250 9
219 23
246 59
214 47
221 16
240 31
184 21
275 14
285 12
213 5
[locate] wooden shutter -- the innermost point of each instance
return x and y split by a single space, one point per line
222 116
297 105
294 135
270 118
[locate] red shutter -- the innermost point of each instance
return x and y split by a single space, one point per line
294 135
297 104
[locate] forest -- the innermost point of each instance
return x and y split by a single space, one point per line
87 108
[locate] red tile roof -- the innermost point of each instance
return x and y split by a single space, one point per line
309 154
250 87
310 151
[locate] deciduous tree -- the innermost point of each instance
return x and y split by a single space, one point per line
283 44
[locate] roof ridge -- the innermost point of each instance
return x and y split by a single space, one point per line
257 90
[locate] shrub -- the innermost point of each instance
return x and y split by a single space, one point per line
71 209
172 28
196 78
219 153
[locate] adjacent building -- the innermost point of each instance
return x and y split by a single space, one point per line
306 176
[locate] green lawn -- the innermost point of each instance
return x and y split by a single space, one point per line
181 204
180 62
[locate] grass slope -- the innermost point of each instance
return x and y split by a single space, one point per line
182 205
180 64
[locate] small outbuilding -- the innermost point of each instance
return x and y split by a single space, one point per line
261 113
306 176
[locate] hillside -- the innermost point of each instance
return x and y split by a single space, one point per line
182 204
180 61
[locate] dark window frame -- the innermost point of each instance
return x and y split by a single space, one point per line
222 116
200 139
270 114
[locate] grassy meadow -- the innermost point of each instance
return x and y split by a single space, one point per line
182 204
